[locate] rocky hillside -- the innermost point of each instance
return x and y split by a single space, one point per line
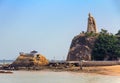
81 47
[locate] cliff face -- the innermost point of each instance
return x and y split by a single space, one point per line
24 60
81 48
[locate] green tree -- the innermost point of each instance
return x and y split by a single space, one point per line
118 36
118 33
106 47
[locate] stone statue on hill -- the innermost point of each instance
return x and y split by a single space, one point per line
91 25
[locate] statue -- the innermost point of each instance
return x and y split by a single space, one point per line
91 25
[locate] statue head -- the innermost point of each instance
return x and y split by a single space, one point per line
89 15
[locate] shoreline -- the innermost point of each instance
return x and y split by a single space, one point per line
100 70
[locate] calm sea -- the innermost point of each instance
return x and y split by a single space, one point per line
56 77
6 61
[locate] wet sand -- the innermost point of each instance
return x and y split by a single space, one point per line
56 77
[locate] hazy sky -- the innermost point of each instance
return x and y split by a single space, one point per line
48 26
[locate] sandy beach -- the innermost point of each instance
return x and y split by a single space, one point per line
103 70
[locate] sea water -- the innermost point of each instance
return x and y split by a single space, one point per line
6 61
56 77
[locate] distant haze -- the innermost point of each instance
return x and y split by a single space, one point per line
48 26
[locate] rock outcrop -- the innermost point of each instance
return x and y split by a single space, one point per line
29 59
82 44
81 47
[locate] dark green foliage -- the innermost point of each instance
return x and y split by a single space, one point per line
106 47
118 33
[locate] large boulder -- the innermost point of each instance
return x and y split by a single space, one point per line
28 60
81 47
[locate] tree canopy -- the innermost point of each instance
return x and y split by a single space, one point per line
106 47
118 33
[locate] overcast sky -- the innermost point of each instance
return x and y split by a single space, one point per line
49 26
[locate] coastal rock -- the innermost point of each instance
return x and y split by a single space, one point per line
81 48
82 44
29 59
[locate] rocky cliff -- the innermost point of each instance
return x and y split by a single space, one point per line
81 47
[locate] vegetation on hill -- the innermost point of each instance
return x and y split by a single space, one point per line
91 34
118 33
106 47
